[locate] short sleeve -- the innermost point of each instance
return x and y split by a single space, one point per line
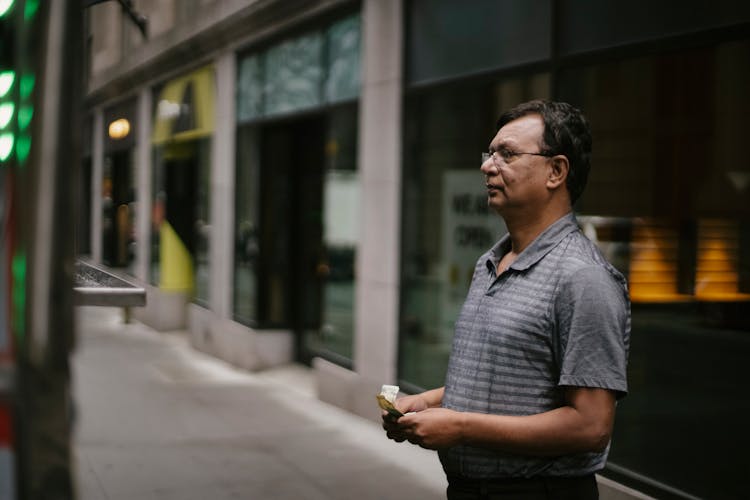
592 313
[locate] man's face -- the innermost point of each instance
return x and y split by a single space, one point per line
516 182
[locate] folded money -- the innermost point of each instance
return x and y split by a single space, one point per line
387 397
390 392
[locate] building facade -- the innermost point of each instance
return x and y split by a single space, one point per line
299 180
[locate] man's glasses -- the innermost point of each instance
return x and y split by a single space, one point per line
508 156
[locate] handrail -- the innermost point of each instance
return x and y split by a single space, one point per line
95 286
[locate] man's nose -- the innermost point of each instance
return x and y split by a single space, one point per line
488 166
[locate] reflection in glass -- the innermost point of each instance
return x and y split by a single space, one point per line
446 225
667 193
294 73
183 111
342 80
335 270
180 218
296 240
247 247
320 67
118 209
250 88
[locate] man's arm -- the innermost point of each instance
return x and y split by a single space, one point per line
421 401
583 425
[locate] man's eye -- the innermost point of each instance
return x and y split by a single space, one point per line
506 154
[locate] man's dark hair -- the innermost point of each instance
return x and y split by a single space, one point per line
566 132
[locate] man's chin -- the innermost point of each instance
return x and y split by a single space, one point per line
495 203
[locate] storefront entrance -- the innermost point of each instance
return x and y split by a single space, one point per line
291 253
118 209
183 127
118 186
297 230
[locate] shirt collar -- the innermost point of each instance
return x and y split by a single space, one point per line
542 244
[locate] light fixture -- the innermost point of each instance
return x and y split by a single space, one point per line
6 81
119 129
6 113
6 145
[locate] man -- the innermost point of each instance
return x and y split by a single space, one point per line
541 344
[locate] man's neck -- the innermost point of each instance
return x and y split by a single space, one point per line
524 228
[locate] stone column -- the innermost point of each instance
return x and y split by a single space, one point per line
221 245
97 172
144 167
377 303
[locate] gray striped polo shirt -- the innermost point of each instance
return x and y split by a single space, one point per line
558 316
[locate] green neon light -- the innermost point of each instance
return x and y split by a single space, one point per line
30 11
26 85
19 293
6 81
25 113
23 148
5 6
6 113
6 145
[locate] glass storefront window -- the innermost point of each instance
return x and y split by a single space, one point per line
297 198
181 224
446 222
302 73
341 187
180 227
294 74
118 186
621 24
247 221
668 201
342 81
445 39
295 242
250 85
118 209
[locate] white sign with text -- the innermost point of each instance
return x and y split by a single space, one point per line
470 229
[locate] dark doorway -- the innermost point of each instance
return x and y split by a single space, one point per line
180 201
117 206
291 225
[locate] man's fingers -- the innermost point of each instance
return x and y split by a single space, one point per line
396 430
396 436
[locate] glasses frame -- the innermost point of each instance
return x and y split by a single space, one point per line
508 155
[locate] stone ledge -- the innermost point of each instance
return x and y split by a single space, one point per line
237 344
164 311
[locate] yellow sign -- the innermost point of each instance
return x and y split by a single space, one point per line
185 108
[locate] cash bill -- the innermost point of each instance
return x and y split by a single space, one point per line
387 397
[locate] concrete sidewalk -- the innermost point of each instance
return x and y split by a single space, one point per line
156 419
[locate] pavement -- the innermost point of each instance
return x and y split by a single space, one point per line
156 419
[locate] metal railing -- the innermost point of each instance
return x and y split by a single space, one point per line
95 286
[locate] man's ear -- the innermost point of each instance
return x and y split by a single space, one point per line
558 171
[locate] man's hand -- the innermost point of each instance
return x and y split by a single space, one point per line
432 428
402 428
407 404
